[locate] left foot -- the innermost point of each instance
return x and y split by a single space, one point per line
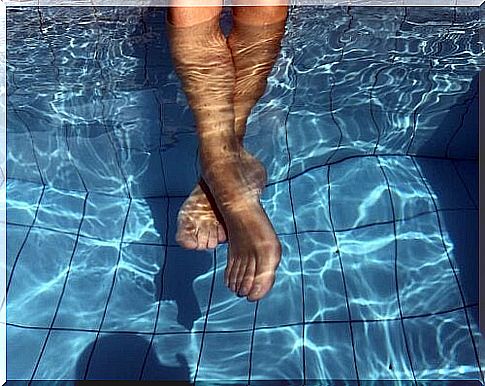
199 222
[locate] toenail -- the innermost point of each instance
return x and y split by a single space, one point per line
257 289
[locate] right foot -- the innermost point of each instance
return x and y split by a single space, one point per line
199 222
254 249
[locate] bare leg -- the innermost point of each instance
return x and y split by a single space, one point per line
204 62
254 43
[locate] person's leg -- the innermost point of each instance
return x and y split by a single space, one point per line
255 43
192 31
204 63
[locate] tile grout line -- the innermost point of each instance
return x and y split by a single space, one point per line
204 332
17 257
110 291
295 79
460 289
357 156
261 328
61 296
159 298
307 231
465 185
338 253
391 201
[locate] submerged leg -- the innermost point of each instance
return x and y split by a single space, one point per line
205 65
255 43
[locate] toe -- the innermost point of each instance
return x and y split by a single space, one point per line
202 238
248 278
233 274
240 273
264 278
186 238
221 234
212 240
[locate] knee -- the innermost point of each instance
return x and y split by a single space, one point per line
186 16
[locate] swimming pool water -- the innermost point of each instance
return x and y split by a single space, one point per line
369 131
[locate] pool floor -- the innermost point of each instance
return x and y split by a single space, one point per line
370 143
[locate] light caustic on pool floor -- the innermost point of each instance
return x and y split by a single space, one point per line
367 131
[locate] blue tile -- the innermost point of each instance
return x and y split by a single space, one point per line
276 202
227 311
410 197
445 185
177 116
136 119
425 278
23 199
312 138
134 301
381 353
468 171
353 77
23 344
434 130
16 236
368 262
71 348
172 357
449 88
466 141
225 356
143 171
324 289
105 217
440 347
313 90
310 201
174 207
359 194
329 340
56 162
284 359
21 163
266 139
461 240
179 162
395 131
97 160
478 338
147 221
283 304
61 210
38 278
88 285
186 283
118 356
402 77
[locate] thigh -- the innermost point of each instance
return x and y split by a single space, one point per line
186 13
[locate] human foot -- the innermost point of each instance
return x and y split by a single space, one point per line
254 249
199 223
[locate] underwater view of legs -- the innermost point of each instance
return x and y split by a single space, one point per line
223 79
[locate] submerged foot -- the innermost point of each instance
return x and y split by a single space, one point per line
199 223
254 250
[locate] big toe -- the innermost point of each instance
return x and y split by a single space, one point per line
261 286
264 276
